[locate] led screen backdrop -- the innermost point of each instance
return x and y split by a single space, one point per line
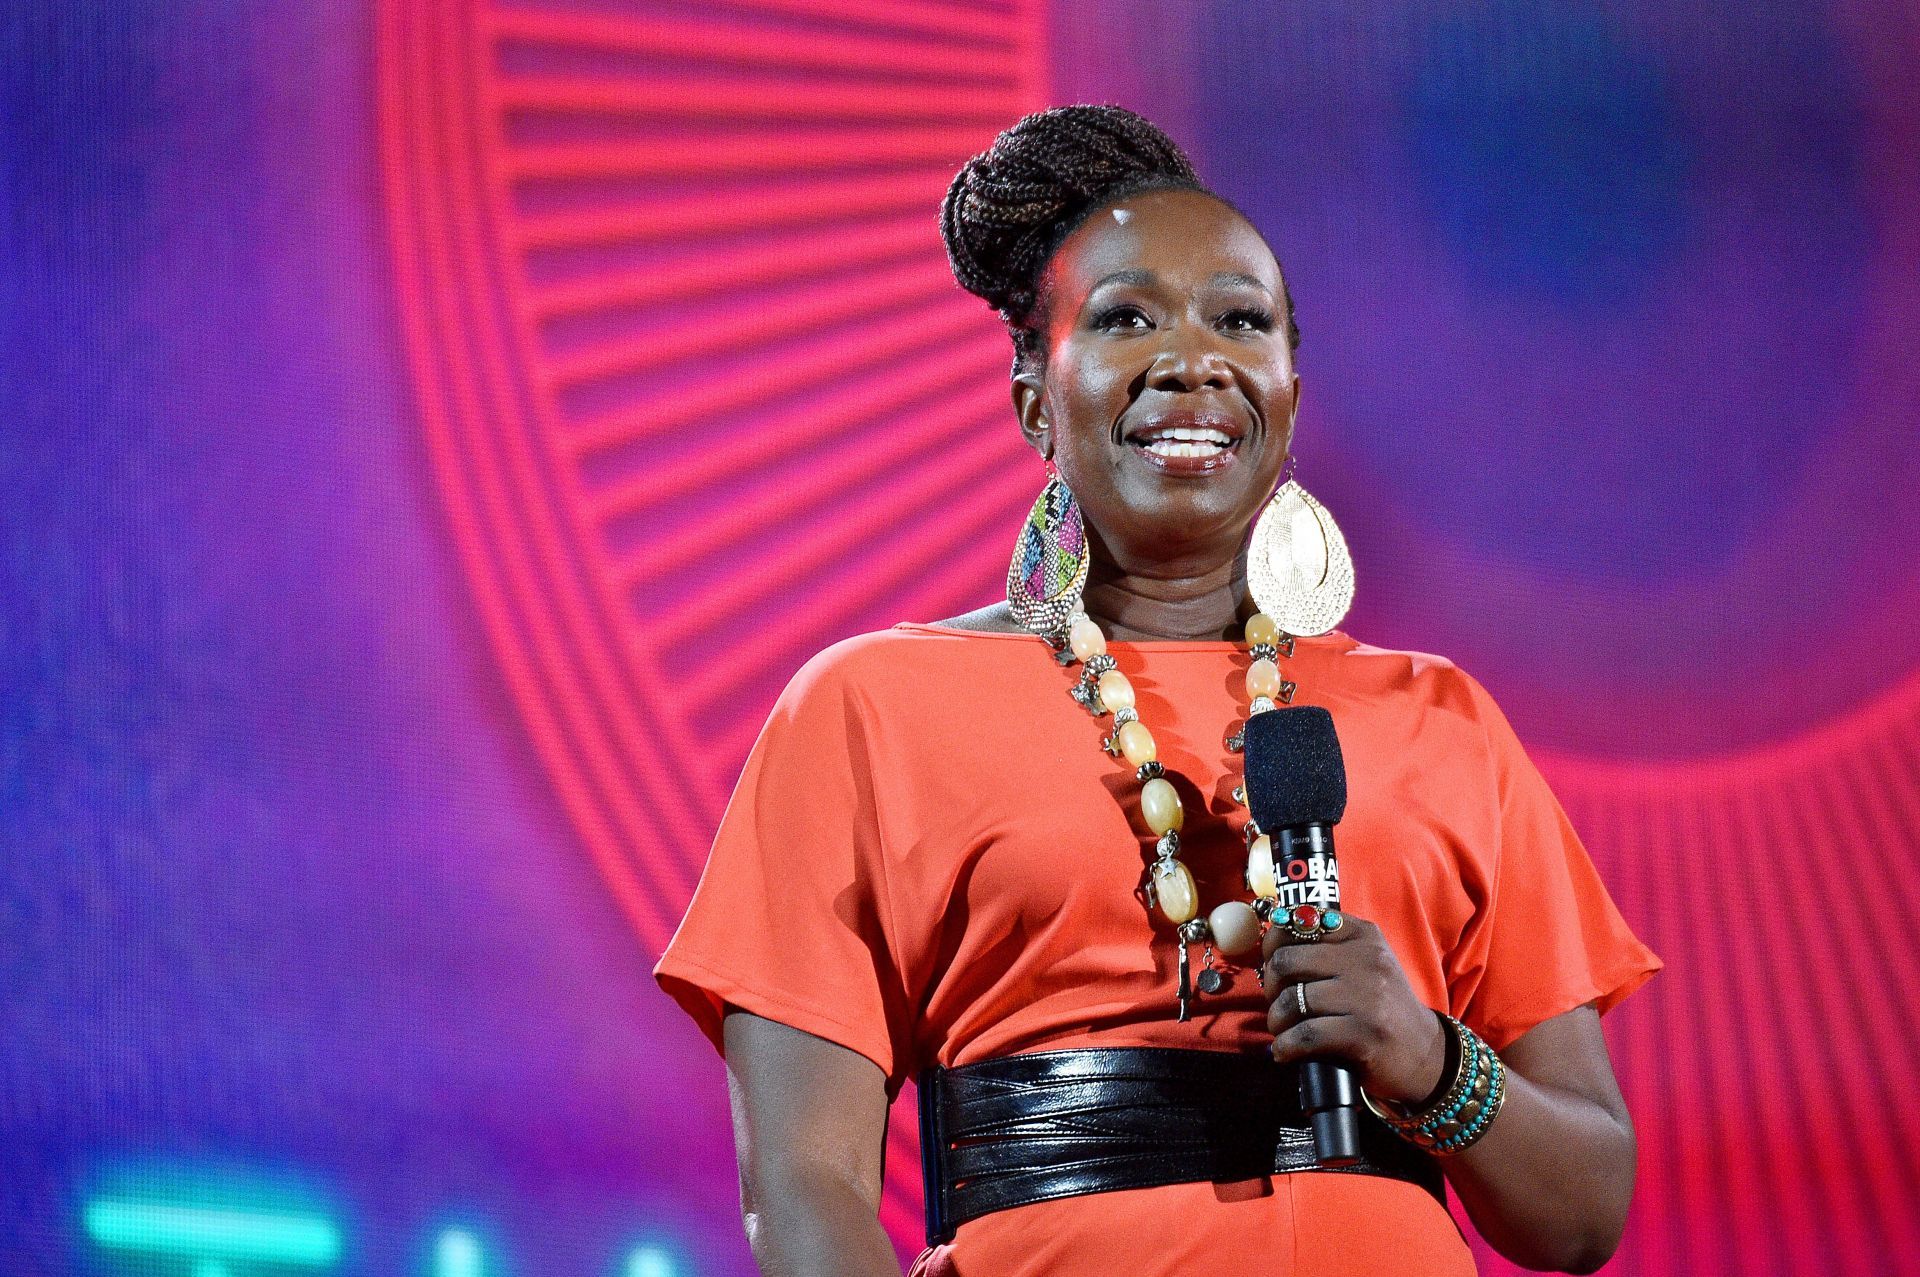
436 431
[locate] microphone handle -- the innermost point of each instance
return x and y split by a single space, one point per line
1309 875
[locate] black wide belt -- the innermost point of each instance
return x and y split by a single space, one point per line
1029 1128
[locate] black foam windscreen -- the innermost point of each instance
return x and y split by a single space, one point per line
1294 773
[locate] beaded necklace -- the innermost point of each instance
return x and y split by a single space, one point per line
1234 926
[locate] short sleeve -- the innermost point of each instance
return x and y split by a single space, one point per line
1546 937
790 917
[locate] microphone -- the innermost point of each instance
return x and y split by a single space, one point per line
1296 785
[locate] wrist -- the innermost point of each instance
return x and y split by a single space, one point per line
1438 1061
1474 1089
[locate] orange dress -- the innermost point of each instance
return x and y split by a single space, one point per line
928 857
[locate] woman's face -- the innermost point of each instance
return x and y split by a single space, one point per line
1164 315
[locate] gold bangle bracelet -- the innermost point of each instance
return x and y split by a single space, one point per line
1373 1106
1456 1053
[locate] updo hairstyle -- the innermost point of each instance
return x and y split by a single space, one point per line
1010 206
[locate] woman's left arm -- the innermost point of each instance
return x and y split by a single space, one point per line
1549 1182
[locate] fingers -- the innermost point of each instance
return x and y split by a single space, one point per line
1322 998
1301 962
1278 937
1291 960
1341 1036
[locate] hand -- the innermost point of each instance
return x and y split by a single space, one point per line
1360 1009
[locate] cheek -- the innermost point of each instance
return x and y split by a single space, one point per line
1269 394
1087 385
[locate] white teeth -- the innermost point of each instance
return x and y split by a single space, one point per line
1205 434
1170 448
1190 434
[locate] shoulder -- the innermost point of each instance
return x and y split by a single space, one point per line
850 661
1424 682
905 657
1402 666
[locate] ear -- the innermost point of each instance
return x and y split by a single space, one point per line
1029 405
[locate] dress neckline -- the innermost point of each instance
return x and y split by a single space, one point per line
1156 645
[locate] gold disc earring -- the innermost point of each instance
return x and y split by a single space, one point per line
1298 568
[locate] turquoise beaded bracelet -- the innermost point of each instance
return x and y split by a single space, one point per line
1468 1104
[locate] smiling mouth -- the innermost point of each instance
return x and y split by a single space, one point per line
1184 442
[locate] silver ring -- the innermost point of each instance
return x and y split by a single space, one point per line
1300 997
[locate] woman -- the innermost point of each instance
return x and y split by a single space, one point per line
932 863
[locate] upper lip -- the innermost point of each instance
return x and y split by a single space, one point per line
1202 419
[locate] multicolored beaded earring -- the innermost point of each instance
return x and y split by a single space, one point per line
1049 566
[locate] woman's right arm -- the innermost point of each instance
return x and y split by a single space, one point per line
810 1127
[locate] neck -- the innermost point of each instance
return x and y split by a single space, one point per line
1202 598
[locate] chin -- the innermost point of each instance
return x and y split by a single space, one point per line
1201 516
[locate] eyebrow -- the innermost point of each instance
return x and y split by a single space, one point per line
1136 277
1143 278
1236 277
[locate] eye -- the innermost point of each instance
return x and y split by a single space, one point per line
1123 318
1248 319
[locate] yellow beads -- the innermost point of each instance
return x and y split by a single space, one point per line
1262 879
1086 639
1115 691
1160 805
1136 742
1233 927
1174 892
1263 678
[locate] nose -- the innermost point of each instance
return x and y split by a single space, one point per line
1189 360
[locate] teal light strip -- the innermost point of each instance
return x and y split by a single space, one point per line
651 1261
207 1233
456 1253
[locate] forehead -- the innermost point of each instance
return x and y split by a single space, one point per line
1182 237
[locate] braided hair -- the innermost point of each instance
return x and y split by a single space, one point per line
1010 207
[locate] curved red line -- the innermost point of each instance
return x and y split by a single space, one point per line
508 574
910 18
721 528
617 736
580 790
544 588
419 260
802 149
805 375
666 96
729 42
891 289
844 412
711 274
822 202
802 555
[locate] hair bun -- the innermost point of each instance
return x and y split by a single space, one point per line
1010 205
